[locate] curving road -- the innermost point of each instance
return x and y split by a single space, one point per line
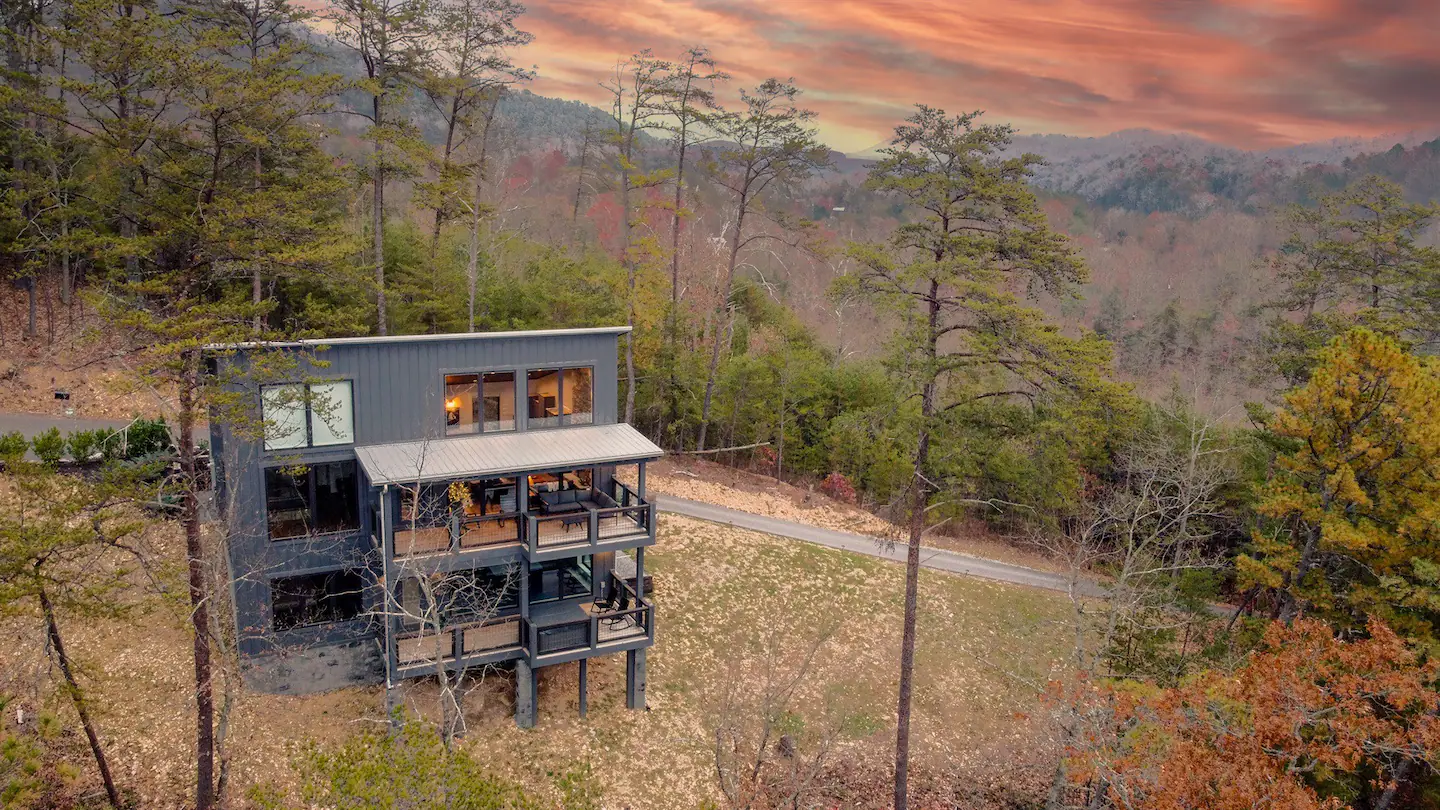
933 558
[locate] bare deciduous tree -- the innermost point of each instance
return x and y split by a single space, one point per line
766 752
1147 529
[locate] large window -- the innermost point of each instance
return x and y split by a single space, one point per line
499 401
334 596
314 499
472 400
462 404
307 415
560 397
577 402
542 398
559 579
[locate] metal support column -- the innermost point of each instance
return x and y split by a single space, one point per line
584 697
635 679
527 688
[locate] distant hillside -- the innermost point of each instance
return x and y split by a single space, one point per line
1146 172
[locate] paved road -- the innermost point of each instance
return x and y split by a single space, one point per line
949 561
32 425
936 559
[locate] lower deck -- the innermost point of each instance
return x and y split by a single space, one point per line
553 631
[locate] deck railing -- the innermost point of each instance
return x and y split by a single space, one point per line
481 531
620 513
595 631
425 646
613 518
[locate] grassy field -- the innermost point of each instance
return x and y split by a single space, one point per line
727 598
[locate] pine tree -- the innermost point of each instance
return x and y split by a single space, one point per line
637 93
1356 502
1357 259
965 337
472 68
689 103
201 220
64 554
393 40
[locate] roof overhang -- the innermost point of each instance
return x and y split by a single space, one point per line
499 454
316 343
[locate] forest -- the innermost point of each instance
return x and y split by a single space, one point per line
1249 466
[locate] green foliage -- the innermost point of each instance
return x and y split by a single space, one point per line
146 437
82 444
1357 259
31 776
997 386
13 446
411 769
1355 507
49 446
110 444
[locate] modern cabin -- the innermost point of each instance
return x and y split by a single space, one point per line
395 505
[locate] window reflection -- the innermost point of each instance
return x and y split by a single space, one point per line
462 404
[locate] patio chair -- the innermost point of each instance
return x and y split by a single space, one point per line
622 606
607 603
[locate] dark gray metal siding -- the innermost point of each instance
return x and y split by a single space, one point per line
398 393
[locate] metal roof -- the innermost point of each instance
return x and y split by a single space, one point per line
497 454
372 339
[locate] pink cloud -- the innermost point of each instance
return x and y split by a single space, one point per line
1238 71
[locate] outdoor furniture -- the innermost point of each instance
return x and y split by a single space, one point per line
574 519
620 607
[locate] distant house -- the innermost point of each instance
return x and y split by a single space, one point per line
436 500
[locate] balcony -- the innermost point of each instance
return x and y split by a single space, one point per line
564 630
601 522
592 521
569 630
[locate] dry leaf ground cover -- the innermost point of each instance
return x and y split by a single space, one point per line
725 596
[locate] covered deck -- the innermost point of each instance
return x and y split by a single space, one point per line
549 494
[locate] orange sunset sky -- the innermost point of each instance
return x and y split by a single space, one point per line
1248 73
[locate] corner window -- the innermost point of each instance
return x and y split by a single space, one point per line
313 415
578 396
334 596
462 404
314 499
476 402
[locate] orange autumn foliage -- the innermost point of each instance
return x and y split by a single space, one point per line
1303 710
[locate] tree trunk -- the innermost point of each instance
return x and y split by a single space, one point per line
377 216
440 205
672 322
920 499
1289 606
721 309
629 259
199 600
472 267
257 283
52 629
1402 773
